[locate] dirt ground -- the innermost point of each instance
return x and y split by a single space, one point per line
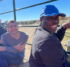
30 31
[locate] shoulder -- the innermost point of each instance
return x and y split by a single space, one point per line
42 35
23 34
46 35
5 35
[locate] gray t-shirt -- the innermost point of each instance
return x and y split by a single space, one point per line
9 41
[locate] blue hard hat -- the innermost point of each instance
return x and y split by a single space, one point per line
51 10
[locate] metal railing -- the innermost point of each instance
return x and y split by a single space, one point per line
14 11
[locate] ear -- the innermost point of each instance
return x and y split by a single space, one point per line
7 28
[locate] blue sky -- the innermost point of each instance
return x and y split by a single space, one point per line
32 13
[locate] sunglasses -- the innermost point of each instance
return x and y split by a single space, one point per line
52 18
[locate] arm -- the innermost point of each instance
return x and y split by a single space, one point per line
14 49
21 46
7 47
51 53
60 33
2 48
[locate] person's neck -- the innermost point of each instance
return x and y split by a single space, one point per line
15 36
46 29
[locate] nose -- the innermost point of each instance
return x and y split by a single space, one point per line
13 27
55 21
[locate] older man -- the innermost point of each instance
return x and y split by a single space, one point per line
47 50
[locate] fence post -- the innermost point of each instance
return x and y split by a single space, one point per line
14 10
68 48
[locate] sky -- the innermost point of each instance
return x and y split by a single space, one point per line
32 13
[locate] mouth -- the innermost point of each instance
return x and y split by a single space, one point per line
13 31
54 26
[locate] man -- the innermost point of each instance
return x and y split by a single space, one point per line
2 31
13 44
47 50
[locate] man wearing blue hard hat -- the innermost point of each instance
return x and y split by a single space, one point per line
47 50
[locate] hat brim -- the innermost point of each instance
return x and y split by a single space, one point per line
62 14
53 14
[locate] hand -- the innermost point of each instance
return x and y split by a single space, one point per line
19 46
66 25
2 48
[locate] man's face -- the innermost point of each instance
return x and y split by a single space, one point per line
13 28
50 23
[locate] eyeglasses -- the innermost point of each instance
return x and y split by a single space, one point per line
52 18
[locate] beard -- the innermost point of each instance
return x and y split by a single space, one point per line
13 33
